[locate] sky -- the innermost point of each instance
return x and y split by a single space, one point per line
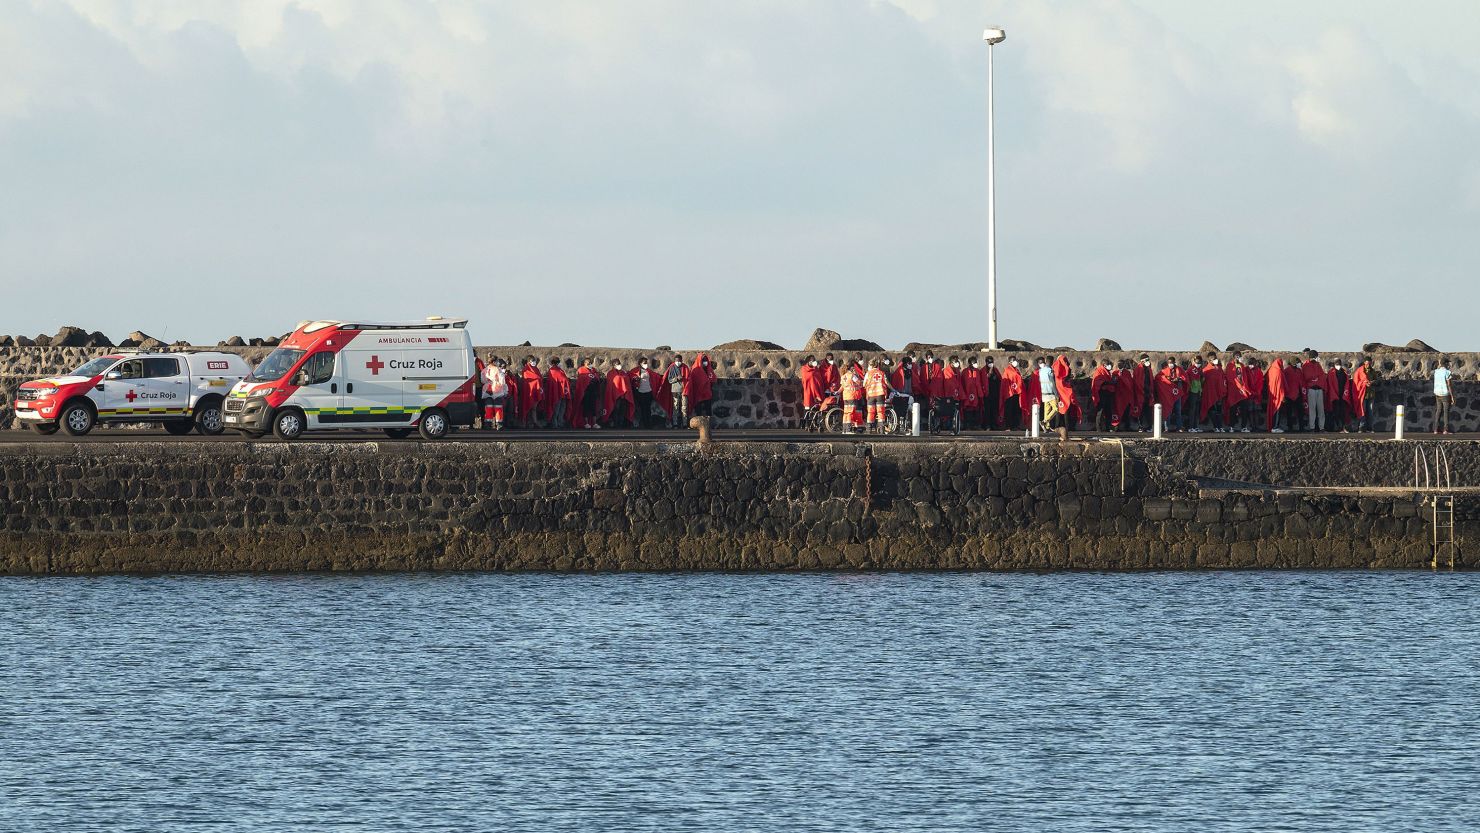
689 172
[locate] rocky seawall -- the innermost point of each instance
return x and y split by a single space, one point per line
268 507
759 388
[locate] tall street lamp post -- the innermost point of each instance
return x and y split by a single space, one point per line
993 37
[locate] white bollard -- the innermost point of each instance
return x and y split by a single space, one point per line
1398 424
1037 425
1156 421
914 419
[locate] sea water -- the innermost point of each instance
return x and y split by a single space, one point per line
712 702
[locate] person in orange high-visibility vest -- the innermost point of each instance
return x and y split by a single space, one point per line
852 392
876 388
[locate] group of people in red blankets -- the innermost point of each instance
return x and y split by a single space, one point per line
1245 395
584 397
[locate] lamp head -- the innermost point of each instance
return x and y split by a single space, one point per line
994 36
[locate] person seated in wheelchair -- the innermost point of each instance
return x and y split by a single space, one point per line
946 405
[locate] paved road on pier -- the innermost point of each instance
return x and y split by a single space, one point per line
127 435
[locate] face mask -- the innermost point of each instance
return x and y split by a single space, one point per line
955 364
706 362
644 365
829 362
813 363
1013 362
1146 363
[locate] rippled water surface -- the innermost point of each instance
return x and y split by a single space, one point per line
1164 702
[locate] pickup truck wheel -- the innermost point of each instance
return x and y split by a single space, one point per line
208 419
179 427
77 419
46 430
434 424
288 424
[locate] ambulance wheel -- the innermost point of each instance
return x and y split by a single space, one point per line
398 433
288 424
46 430
179 427
208 419
832 422
434 424
77 419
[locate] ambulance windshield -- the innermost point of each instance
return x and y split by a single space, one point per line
276 365
95 367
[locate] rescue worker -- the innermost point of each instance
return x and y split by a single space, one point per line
876 389
495 394
850 387
674 377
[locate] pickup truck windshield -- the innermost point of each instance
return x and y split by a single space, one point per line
95 367
275 366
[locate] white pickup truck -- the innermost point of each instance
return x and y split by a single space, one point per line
182 391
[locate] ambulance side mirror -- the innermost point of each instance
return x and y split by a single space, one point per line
113 375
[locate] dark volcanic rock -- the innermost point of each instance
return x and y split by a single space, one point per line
70 337
921 347
1012 345
43 340
857 344
1419 346
271 341
254 342
136 338
748 344
1208 347
97 339
1107 345
24 341
821 340
151 344
7 341
568 344
235 341
1239 347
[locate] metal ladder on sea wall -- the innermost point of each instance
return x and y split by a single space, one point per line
1440 500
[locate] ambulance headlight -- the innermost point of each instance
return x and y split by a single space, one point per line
261 393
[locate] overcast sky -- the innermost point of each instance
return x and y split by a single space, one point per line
685 172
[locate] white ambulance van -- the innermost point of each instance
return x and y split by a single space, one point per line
183 391
396 376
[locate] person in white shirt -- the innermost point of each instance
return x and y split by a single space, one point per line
1443 397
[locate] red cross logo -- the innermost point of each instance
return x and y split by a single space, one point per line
131 396
375 364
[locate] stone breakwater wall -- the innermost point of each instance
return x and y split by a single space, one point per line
268 507
759 389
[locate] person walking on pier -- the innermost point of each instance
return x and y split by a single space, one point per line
531 392
1102 387
674 378
700 386
1338 398
1443 397
644 393
1313 379
1010 399
1215 393
620 403
557 394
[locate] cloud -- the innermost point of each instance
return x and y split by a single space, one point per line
704 170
